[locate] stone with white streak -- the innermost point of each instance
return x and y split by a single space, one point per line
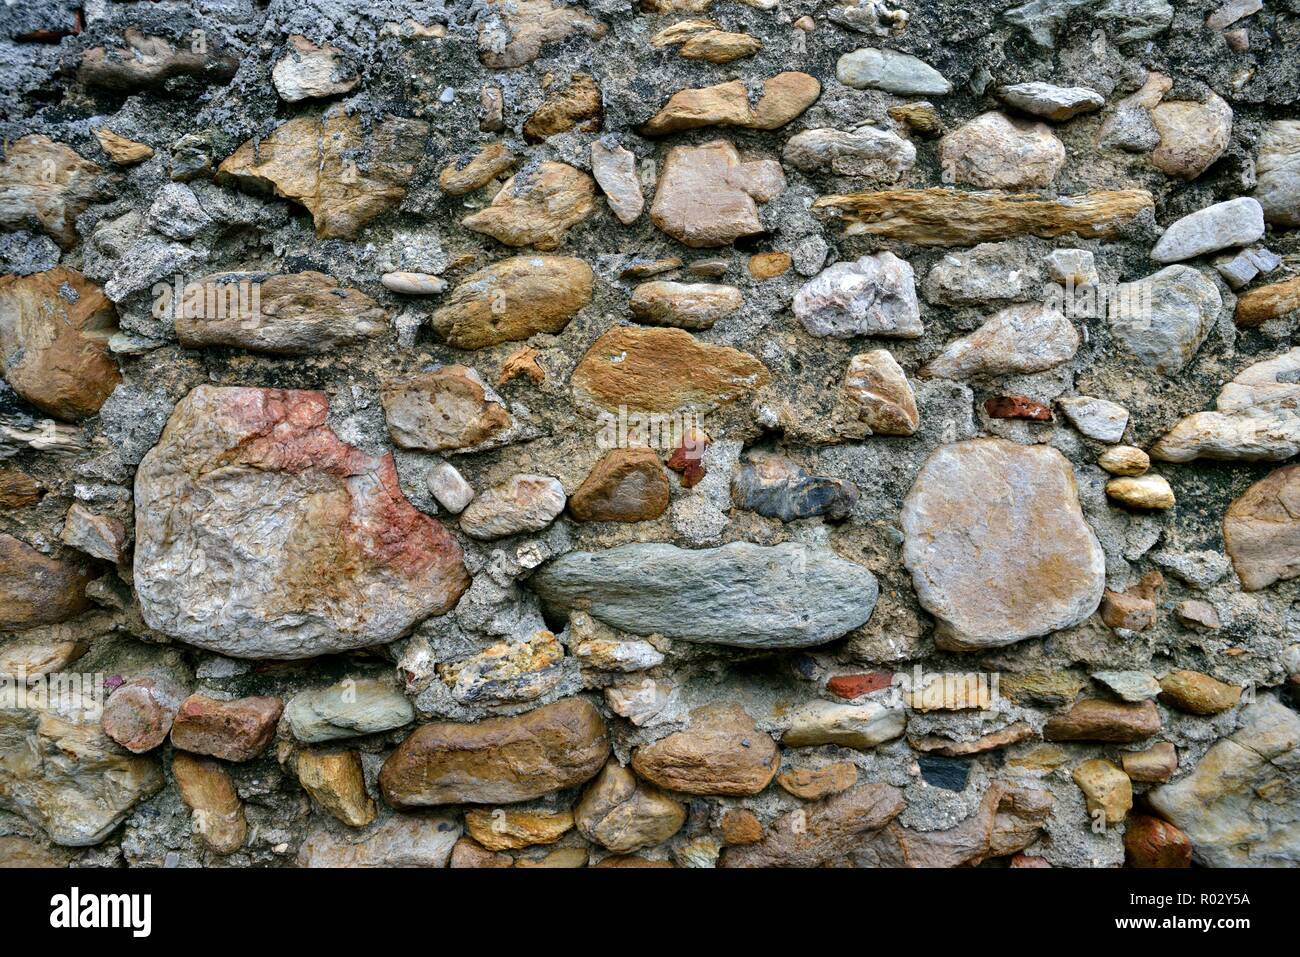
875 296
1277 173
307 71
848 725
1098 419
891 71
615 170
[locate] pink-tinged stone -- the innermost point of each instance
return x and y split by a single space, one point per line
236 730
140 712
260 534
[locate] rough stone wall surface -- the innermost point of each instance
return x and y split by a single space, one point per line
650 432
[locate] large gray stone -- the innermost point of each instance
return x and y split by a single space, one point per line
261 534
997 545
778 596
347 709
875 296
1277 184
1167 317
892 72
1241 804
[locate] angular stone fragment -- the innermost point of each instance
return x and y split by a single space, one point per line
1240 267
63 774
626 485
526 503
997 546
403 840
1150 842
775 487
514 31
18 489
311 546
1261 530
307 71
36 590
1197 615
877 391
1093 719
1277 172
45 186
875 296
99 536
299 313
945 747
707 197
335 780
146 61
1168 319
879 155
497 760
995 151
139 713
345 176
685 305
205 787
1108 791
1198 693
507 671
451 409
1056 103
1144 491
1240 805
811 785
720 753
891 71
1268 302
950 217
1136 686
513 299
238 730
575 105
827 830
794 595
54 332
663 370
1192 135
740 826
120 150
349 708
852 726
990 272
537 206
1131 611
615 170
598 646
1016 340
1237 222
919 118
470 172
703 40
1255 418
784 97
1098 419
504 829
1156 764
623 814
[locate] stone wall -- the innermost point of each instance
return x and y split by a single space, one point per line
781 432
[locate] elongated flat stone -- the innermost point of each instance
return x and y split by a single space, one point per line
950 217
997 545
793 596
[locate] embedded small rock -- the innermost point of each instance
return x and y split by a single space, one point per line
238 730
1016 340
995 151
720 753
525 503
875 296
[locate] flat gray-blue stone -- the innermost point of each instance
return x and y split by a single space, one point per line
751 596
